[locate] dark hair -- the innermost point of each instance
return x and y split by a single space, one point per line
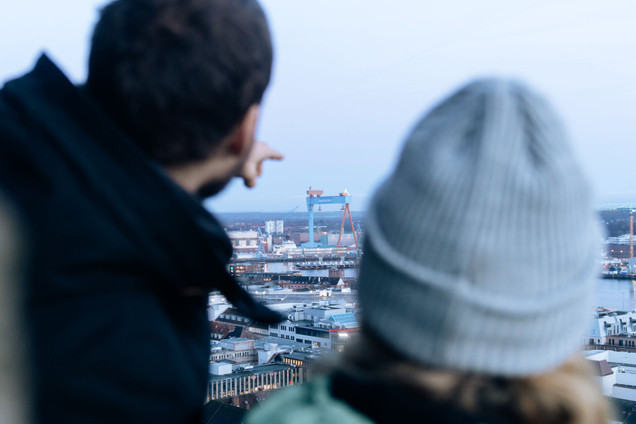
178 75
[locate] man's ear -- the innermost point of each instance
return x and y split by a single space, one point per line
243 137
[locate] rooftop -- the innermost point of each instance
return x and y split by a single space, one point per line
258 369
306 356
346 318
601 368
237 340
282 343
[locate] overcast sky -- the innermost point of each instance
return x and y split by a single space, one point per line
352 76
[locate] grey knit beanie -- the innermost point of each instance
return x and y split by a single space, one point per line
482 245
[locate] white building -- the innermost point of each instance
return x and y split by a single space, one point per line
274 227
611 323
237 344
244 241
285 330
326 327
617 372
622 239
324 312
220 368
332 332
216 305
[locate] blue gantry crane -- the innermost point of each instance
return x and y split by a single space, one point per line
315 197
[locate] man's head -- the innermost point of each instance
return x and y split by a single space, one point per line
180 75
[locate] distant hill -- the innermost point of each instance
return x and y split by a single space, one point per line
260 217
616 222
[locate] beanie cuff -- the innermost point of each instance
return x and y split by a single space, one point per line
442 326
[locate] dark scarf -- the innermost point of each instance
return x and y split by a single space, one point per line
388 403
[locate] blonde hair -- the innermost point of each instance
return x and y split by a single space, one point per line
568 394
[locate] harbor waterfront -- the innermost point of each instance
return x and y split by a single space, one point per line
611 294
289 267
616 294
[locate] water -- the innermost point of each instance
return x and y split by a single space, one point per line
616 294
613 294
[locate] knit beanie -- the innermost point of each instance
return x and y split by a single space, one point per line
482 245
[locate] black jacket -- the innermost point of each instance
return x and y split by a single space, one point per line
116 247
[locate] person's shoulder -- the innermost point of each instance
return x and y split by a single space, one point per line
309 403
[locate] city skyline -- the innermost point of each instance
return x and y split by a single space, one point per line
351 78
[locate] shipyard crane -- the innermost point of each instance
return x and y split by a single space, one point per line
315 197
289 213
261 243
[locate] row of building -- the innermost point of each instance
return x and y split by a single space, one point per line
617 373
613 328
322 324
243 366
618 247
249 359
249 243
611 349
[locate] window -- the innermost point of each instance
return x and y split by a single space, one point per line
323 334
